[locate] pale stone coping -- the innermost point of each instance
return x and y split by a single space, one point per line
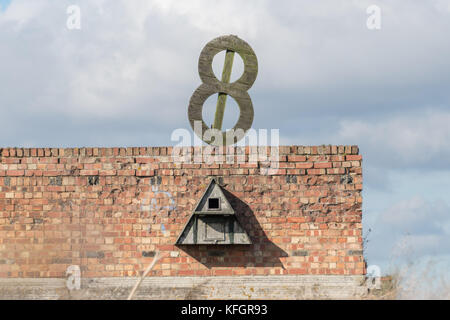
183 281
197 288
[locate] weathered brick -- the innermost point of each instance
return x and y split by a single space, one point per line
15 173
353 157
109 210
322 165
304 165
296 158
88 172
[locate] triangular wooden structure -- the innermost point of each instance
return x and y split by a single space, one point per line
213 221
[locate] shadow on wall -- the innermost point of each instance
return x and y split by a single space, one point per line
261 253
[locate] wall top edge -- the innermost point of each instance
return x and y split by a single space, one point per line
168 151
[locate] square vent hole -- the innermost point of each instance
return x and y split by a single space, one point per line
213 204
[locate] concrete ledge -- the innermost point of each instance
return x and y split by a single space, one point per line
236 287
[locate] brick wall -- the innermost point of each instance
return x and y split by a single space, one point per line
108 210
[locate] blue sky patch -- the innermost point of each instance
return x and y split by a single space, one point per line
4 4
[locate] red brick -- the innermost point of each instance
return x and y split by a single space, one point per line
296 158
117 219
145 173
88 172
322 165
305 165
145 160
223 272
316 171
107 172
15 173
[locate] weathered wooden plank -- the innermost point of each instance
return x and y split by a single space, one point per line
211 85
222 98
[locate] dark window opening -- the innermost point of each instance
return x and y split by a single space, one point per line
213 204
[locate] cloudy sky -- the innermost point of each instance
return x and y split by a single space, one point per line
125 79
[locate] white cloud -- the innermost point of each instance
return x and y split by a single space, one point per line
140 57
132 52
421 139
412 229
22 13
417 215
